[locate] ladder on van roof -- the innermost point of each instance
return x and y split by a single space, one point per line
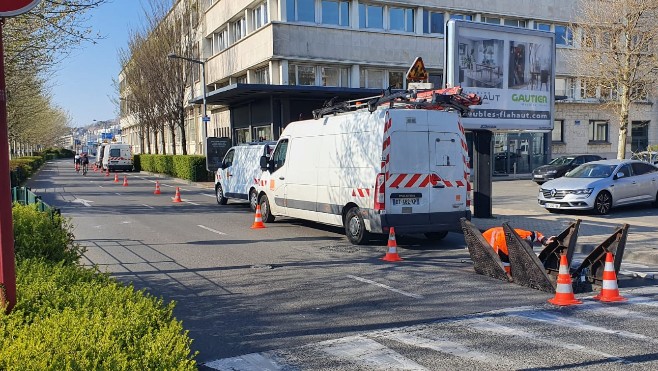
448 99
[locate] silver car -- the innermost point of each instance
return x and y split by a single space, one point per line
601 185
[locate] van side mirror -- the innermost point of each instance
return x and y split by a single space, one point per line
264 163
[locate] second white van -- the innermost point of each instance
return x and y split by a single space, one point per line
118 156
239 173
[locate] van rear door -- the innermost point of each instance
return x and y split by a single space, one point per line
448 170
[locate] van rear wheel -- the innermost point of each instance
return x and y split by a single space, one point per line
265 212
355 227
253 199
219 194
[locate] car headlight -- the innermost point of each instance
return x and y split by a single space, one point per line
584 191
551 172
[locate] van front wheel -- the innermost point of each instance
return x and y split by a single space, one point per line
355 227
265 212
219 193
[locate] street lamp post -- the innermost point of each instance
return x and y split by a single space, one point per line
205 118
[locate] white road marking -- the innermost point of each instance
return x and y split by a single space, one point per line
166 185
150 207
210 229
416 296
247 362
369 353
81 201
183 189
118 194
205 194
190 202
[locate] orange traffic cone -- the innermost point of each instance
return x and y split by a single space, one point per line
125 181
107 172
157 188
564 290
609 290
258 220
116 178
392 253
177 196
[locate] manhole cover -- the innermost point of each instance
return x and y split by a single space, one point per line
341 248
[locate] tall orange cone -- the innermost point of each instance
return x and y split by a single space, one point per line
609 290
125 181
116 178
177 196
258 220
107 172
157 188
392 253
564 291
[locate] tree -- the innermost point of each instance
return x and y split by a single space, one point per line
619 40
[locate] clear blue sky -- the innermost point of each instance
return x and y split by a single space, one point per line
83 83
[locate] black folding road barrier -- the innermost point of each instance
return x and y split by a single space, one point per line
539 271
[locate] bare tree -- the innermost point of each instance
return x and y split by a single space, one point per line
619 40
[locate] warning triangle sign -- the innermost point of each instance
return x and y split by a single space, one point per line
417 72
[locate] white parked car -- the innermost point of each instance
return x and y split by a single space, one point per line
601 185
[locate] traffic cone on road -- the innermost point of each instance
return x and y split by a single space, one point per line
116 178
392 253
609 290
125 181
107 172
564 290
258 220
177 196
157 188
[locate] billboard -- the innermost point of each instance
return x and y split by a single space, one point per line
511 68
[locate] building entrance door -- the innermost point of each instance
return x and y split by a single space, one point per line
639 136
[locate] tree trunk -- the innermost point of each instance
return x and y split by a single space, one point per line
148 140
162 140
623 122
183 134
156 150
173 140
141 139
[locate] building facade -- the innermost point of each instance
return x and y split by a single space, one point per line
364 44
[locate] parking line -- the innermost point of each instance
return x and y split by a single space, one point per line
205 194
118 194
210 229
150 207
167 185
191 203
416 296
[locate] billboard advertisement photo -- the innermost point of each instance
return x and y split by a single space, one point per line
511 68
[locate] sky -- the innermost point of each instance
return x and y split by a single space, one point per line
83 84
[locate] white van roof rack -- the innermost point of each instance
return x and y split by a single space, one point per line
447 99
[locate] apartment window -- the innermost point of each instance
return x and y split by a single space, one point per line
334 76
259 15
516 23
196 68
262 76
433 22
492 20
301 10
466 17
336 12
639 93
396 80
557 135
239 29
564 87
598 131
371 16
263 133
587 89
219 41
372 79
242 135
401 19
609 92
301 75
563 35
542 26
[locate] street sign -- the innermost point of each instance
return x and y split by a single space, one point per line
217 148
205 119
417 72
10 8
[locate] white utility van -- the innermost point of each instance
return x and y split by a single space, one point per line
238 175
118 156
369 171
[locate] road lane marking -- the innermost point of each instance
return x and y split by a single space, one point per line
117 193
247 362
166 185
368 352
209 195
190 202
150 207
183 189
416 296
81 201
210 229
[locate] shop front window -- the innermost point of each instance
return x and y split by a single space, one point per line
242 135
263 133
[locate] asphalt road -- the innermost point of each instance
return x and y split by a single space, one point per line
297 295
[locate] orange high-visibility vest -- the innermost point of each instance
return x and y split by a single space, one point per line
496 238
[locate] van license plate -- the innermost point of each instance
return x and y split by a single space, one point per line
552 206
406 201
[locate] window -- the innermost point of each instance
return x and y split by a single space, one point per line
334 76
196 68
396 80
433 22
263 133
401 19
516 23
564 87
641 168
542 26
259 15
279 154
466 17
219 41
563 35
241 79
242 135
557 135
261 76
598 131
587 89
318 75
228 159
301 75
239 29
609 92
301 10
371 16
372 79
492 20
335 12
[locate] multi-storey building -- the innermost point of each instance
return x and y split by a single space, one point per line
269 62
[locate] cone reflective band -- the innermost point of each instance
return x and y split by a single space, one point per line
609 289
392 253
9 8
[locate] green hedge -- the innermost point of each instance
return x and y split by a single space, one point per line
22 168
73 318
188 167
